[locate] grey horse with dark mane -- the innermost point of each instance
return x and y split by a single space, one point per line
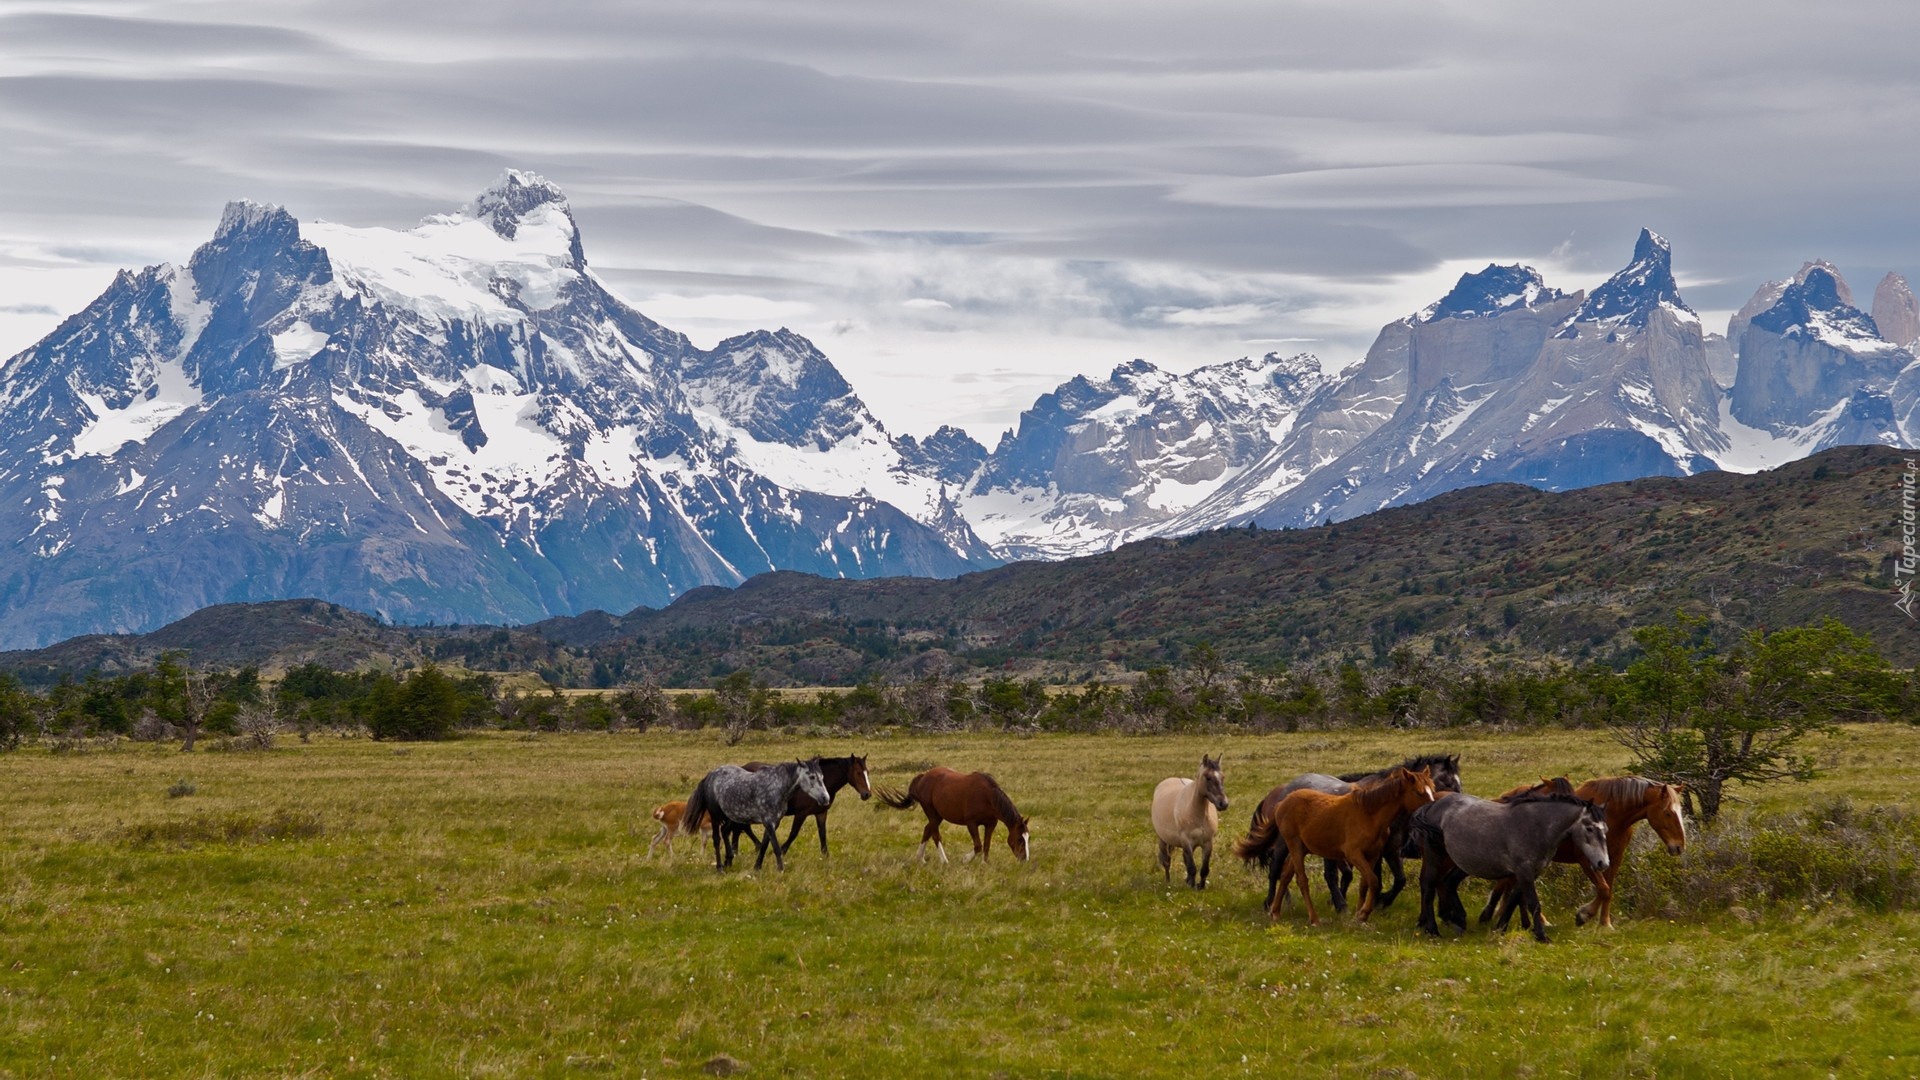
730 795
1461 836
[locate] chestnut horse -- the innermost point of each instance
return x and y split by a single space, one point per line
1353 828
970 799
1627 800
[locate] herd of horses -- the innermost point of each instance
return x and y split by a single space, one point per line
1356 823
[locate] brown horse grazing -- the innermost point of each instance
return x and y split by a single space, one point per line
668 814
970 799
1627 800
1353 828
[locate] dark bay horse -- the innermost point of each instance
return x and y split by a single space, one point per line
1462 836
1353 828
1259 843
730 795
1627 800
836 773
970 799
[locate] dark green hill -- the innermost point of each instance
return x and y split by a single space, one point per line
1496 571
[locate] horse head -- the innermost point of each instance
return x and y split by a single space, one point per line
1446 773
1589 835
1418 785
857 775
812 783
1666 817
1212 783
1019 841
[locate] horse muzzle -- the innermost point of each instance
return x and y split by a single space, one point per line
1601 866
1675 849
1220 804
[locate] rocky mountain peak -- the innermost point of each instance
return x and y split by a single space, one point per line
1818 302
1895 310
517 195
1645 283
1491 291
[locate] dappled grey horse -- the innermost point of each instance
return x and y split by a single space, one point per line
730 795
1461 836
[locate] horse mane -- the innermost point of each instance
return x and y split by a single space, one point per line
1553 797
1002 804
1627 790
1373 792
1412 764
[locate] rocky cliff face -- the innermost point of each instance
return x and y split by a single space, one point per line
1895 312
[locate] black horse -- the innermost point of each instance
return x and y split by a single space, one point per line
1262 842
1461 836
837 773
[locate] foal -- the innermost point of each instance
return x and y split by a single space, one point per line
1186 815
1353 828
668 814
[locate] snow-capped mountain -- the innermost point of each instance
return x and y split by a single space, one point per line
1098 462
455 422
459 422
1505 378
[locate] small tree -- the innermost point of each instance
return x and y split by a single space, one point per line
1693 716
180 696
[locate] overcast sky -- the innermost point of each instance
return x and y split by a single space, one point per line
965 203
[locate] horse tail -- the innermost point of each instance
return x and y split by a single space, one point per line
1261 837
894 798
697 808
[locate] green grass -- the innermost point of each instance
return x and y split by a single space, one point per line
487 907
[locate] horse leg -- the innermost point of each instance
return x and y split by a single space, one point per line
819 820
797 822
1399 875
1306 894
931 835
718 843
1451 909
986 841
1497 894
1511 897
1336 889
1279 880
1166 861
1533 905
1277 860
1430 875
760 842
1369 888
1602 896
1186 854
1206 861
773 841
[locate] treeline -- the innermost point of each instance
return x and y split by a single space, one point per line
1678 666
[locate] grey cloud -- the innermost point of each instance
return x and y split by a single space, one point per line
42 32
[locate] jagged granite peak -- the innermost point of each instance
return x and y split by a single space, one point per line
777 386
949 455
1805 363
1490 292
1817 302
1895 311
1644 284
515 196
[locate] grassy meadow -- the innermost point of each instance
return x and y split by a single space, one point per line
487 907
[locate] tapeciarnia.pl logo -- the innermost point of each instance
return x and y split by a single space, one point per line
1909 561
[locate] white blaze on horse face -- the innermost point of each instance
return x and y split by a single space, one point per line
1026 845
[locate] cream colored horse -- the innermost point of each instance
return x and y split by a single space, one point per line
1186 814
